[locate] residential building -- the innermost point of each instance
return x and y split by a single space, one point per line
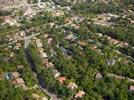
72 86
15 74
98 76
6 76
80 94
56 73
113 41
18 82
44 55
131 88
20 66
38 43
111 61
61 79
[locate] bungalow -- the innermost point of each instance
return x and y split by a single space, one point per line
10 21
22 34
15 74
46 63
46 35
99 34
50 64
52 52
7 18
107 37
35 96
72 86
131 88
11 54
18 46
75 26
111 62
61 79
49 41
40 50
82 43
113 41
123 44
44 55
51 24
68 21
20 66
56 73
38 43
18 82
57 13
70 37
98 76
44 98
80 94
6 76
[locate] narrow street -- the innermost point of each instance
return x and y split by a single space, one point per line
120 77
41 82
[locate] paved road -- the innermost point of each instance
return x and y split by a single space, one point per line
52 96
120 77
41 82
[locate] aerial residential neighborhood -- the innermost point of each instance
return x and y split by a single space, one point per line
66 49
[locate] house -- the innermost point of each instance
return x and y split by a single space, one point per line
61 79
29 13
75 26
107 37
35 96
125 44
6 76
72 86
111 62
68 21
10 21
40 50
131 88
56 73
38 43
44 55
22 33
80 94
113 41
98 76
57 13
52 52
44 61
50 64
99 34
44 98
11 54
46 35
70 37
49 41
18 46
15 74
7 18
20 66
82 43
51 24
18 81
